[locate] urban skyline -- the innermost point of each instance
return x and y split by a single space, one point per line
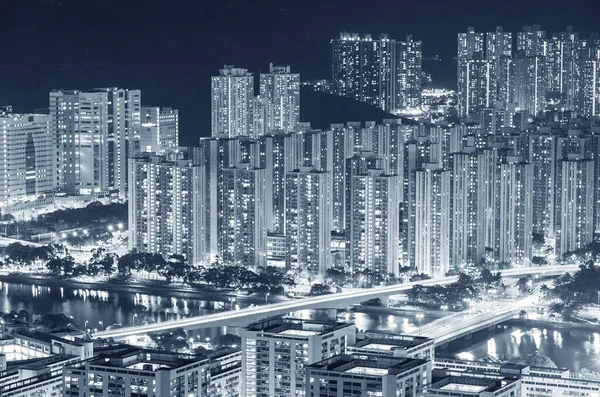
377 257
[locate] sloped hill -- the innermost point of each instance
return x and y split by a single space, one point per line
321 110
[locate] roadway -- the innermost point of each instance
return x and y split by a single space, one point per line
456 325
6 241
248 315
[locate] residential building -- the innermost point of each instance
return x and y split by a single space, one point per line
308 221
360 375
277 351
159 132
381 343
242 227
95 132
410 60
515 221
27 161
232 103
575 204
167 210
432 221
134 371
373 222
281 90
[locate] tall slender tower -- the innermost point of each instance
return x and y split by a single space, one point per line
232 103
410 64
308 220
365 69
432 221
281 90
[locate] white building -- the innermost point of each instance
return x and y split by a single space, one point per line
432 221
464 201
232 103
95 132
166 207
308 220
374 222
515 229
281 90
361 375
159 132
242 229
574 204
277 351
27 161
133 371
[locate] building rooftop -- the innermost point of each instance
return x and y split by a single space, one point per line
145 359
469 384
48 338
296 327
369 366
390 342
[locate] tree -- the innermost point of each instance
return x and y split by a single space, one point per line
227 340
487 278
420 277
320 289
171 341
338 275
524 284
55 322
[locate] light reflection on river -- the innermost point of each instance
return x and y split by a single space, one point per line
93 305
573 349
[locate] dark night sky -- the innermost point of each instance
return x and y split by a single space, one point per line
170 48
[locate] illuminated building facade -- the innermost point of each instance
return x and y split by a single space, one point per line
242 226
159 132
349 374
27 161
308 220
166 207
277 351
374 221
432 221
232 103
575 204
281 90
515 220
95 133
385 73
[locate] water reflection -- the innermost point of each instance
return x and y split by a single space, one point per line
574 349
95 305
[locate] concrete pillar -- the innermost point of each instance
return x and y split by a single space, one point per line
332 314
385 301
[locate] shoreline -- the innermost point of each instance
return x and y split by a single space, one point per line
150 289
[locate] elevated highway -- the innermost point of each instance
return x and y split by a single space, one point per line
342 300
452 327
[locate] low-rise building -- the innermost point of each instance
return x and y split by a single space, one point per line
134 371
360 375
393 345
276 351
535 381
446 383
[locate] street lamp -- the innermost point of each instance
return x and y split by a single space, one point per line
134 316
110 228
85 232
85 324
101 323
267 298
120 226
